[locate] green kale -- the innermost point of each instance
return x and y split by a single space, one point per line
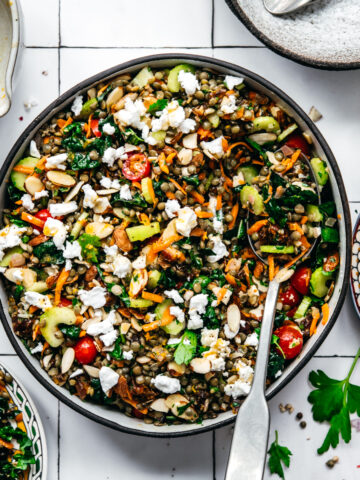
71 331
158 105
192 180
100 144
196 260
276 212
117 353
276 364
137 200
83 162
48 253
130 136
13 193
17 221
19 289
330 235
186 349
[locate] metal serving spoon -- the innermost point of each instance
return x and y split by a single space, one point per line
282 7
251 431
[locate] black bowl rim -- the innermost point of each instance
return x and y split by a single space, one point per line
284 52
330 157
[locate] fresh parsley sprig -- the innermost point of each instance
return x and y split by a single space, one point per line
278 455
333 401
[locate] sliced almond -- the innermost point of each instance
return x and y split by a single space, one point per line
91 371
233 317
200 365
46 361
107 191
61 179
175 369
17 260
138 282
33 185
185 156
190 141
124 328
136 325
101 230
114 96
176 401
159 405
121 103
67 360
73 192
102 205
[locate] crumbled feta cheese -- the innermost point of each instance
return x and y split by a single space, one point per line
186 221
111 155
172 207
244 371
237 389
68 265
62 209
38 349
228 104
278 374
214 147
252 340
166 384
174 295
43 193
56 229
108 183
10 237
208 337
225 294
101 328
217 215
173 116
218 352
174 341
56 162
27 203
189 82
178 314
109 338
111 251
108 379
257 312
108 129
34 152
72 250
187 126
125 193
18 274
238 180
38 300
90 196
229 333
77 105
139 263
95 297
219 249
217 363
197 307
121 266
128 355
232 81
76 373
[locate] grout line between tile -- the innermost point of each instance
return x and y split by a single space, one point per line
212 22
58 442
334 356
148 47
214 454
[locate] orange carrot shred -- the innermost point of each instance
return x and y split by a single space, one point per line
326 313
59 285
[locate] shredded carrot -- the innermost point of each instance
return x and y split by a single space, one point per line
197 232
326 313
205 133
39 166
290 162
24 169
234 213
82 333
221 294
303 220
197 196
163 244
202 214
33 308
257 226
153 297
170 157
202 175
271 267
314 323
6 444
166 319
59 285
36 329
240 112
170 195
19 417
225 144
270 194
295 227
259 267
218 202
162 163
179 187
67 123
103 88
46 140
294 260
136 185
31 219
60 122
88 133
144 219
228 181
46 345
150 188
79 319
247 274
247 253
231 279
305 243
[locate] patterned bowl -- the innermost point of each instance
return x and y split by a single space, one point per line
33 425
355 267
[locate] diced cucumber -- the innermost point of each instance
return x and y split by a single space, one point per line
277 249
88 107
159 136
269 124
18 178
318 281
143 77
161 307
5 262
39 287
140 303
287 132
79 224
319 168
50 320
313 213
173 82
330 235
147 189
154 277
174 327
141 232
249 172
214 119
249 196
303 307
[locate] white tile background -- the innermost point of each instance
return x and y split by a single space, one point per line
70 40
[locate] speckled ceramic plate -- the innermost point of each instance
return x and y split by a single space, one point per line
355 267
325 34
33 426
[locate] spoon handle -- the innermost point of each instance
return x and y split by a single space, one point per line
251 432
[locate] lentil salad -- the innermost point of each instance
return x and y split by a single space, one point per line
134 283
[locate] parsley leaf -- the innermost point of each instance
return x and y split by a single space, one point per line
278 455
332 401
89 246
158 106
186 349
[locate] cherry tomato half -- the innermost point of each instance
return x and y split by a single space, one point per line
85 350
43 214
290 297
331 262
301 280
94 125
64 302
136 167
290 340
298 141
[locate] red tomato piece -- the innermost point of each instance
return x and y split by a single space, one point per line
43 215
85 350
298 141
290 297
64 302
94 125
136 167
301 280
290 341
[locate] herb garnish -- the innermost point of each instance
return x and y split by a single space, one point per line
278 455
186 349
